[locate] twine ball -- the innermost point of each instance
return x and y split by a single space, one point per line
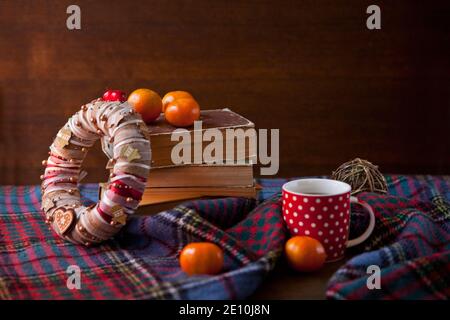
361 175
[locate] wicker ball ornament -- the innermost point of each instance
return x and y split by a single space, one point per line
361 175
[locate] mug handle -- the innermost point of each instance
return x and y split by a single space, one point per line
366 234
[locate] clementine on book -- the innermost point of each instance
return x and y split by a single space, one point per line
146 102
171 96
182 112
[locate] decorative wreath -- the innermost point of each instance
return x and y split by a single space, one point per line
127 134
362 175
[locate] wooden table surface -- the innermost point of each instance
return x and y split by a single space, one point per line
283 283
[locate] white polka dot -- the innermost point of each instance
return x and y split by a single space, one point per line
340 245
336 207
320 233
291 221
305 200
337 239
300 207
330 199
345 205
335 254
319 217
287 211
295 214
307 232
295 230
306 216
337 223
286 196
331 247
341 230
317 200
326 240
345 220
290 205
342 252
341 214
284 201
325 225
331 216
295 198
312 209
343 237
348 211
313 225
340 198
331 231
325 209
284 217
300 224
348 196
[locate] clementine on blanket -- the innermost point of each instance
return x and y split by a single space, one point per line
201 258
305 253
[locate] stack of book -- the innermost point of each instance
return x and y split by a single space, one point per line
215 163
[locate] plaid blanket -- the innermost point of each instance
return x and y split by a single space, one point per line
142 262
410 245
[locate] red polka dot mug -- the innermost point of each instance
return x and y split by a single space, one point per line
320 208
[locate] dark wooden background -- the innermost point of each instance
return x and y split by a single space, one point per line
310 68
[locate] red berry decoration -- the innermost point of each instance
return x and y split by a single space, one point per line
115 95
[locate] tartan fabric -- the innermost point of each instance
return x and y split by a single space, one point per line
142 262
411 244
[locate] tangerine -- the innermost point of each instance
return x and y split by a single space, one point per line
146 102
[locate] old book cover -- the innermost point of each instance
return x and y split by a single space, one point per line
221 119
160 133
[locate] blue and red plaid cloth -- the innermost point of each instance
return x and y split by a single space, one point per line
410 244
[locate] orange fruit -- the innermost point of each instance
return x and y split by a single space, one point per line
305 253
146 102
182 112
174 95
201 258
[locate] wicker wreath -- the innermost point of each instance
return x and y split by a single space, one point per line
128 136
362 175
